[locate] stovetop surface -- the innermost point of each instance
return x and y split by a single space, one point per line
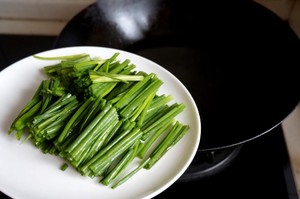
260 170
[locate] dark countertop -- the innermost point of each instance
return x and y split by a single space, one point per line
16 47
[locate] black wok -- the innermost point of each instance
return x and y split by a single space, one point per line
239 60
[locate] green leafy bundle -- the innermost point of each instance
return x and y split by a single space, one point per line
99 115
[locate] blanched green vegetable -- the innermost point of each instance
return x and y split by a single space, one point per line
99 115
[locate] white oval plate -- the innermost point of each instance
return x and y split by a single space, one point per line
27 173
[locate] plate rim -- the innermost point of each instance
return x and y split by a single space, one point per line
123 52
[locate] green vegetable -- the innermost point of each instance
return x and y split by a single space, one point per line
64 166
99 115
175 134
